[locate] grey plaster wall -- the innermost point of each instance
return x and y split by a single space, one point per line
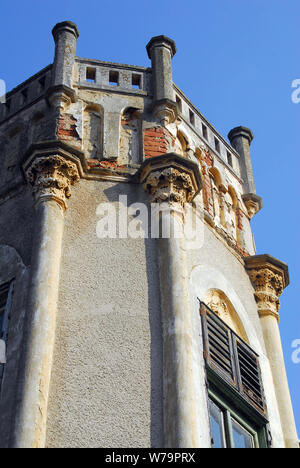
17 217
106 386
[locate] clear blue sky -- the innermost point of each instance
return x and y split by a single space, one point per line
236 61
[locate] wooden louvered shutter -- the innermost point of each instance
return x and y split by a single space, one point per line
232 359
6 291
249 374
218 345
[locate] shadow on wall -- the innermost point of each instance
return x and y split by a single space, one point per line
135 193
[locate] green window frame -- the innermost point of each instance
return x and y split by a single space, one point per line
6 293
230 416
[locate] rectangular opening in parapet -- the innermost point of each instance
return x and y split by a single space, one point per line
113 78
91 75
136 81
217 145
204 131
24 96
179 103
7 106
229 159
42 82
192 117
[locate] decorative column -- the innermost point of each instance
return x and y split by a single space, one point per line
241 139
61 94
51 169
161 50
270 277
172 181
65 36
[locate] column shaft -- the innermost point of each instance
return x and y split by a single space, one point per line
275 354
180 425
41 318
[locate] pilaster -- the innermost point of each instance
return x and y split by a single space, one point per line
51 169
173 181
270 277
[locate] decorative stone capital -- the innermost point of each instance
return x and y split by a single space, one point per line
171 179
253 203
166 111
67 27
60 96
241 132
51 169
161 42
269 277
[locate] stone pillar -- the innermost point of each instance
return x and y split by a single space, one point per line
60 94
269 277
173 181
51 171
241 139
65 36
161 50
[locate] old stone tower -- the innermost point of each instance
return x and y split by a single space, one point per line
114 334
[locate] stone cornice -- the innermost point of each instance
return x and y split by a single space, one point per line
241 132
161 41
253 203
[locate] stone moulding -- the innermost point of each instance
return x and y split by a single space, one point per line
171 179
161 41
253 203
269 277
166 111
241 131
51 168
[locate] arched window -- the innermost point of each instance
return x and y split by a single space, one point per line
217 199
231 203
37 127
13 289
238 414
181 144
92 132
219 303
130 137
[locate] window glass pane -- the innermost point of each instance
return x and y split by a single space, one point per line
242 438
217 426
1 320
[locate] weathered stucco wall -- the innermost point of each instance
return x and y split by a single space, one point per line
17 222
106 387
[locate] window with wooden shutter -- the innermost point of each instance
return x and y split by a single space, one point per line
250 376
232 359
6 291
218 345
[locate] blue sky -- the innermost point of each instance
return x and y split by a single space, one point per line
236 61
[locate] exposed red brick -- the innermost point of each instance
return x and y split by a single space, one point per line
67 131
156 142
240 215
93 163
208 158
